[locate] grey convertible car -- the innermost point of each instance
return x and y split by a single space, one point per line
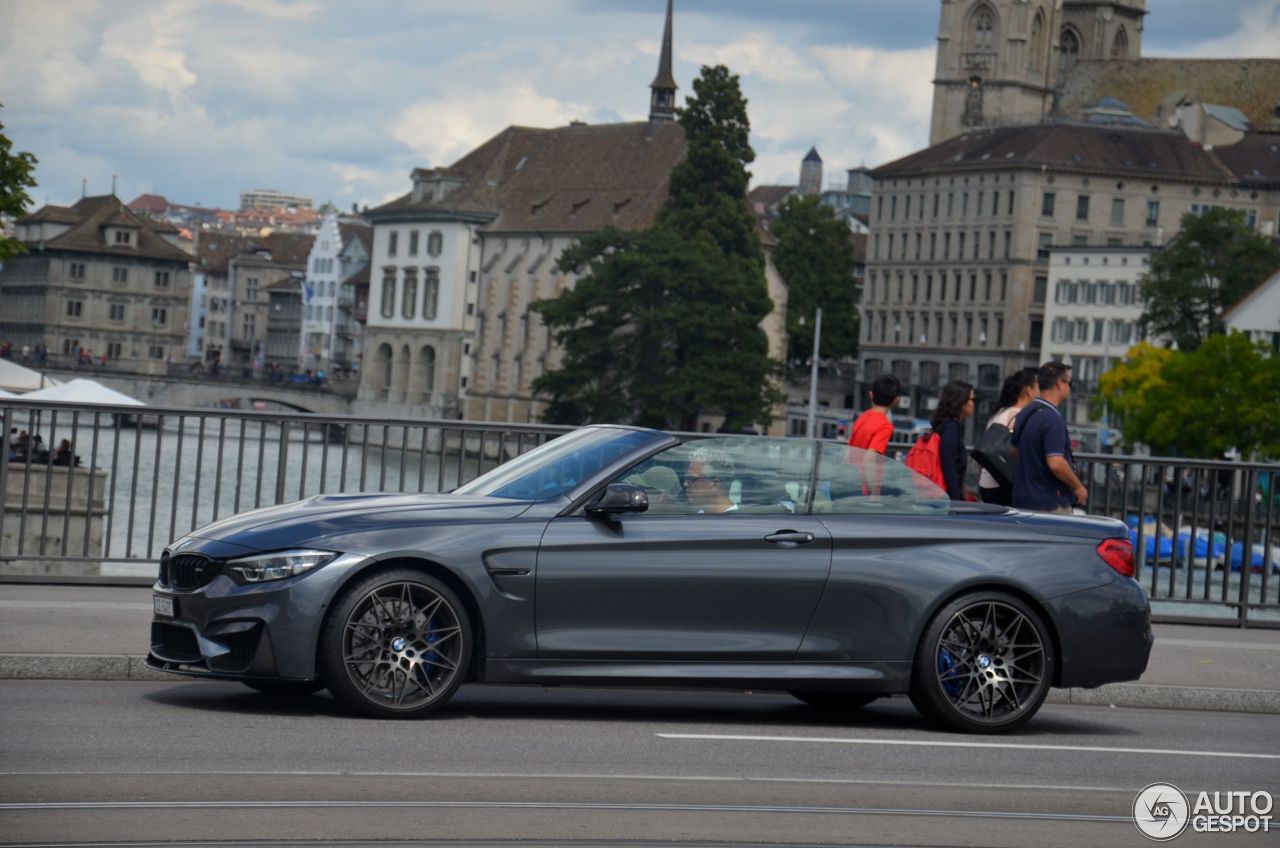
619 555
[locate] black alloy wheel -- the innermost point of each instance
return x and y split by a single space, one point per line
396 645
835 700
984 665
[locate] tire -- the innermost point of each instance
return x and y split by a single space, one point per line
285 688
397 645
984 664
835 700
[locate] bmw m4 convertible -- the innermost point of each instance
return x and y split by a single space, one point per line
624 556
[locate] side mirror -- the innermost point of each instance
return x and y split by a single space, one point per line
617 498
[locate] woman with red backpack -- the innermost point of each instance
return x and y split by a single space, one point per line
955 404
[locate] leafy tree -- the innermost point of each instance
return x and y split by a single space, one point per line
1199 403
1214 261
815 258
15 178
665 323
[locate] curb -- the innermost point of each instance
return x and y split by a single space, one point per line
1132 695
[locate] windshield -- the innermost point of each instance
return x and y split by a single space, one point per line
557 467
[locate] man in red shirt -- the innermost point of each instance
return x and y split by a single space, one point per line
873 428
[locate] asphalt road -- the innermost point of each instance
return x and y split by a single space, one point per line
200 761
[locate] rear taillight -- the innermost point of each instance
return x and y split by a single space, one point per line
1117 553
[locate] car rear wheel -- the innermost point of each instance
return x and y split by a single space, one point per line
285 688
984 665
396 645
835 700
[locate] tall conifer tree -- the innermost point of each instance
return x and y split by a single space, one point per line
665 324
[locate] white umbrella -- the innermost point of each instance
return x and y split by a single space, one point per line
18 378
83 391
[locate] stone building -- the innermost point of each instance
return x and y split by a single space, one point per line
101 278
1015 62
961 235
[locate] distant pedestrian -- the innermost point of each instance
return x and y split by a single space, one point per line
1018 390
955 404
1043 478
873 428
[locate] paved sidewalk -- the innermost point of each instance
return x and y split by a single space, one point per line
102 633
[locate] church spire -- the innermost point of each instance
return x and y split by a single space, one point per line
662 97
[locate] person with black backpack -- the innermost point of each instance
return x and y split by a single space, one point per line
1018 390
1044 479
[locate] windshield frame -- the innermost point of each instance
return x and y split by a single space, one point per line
534 461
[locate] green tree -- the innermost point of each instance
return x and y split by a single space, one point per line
815 258
665 324
1200 403
1214 261
15 178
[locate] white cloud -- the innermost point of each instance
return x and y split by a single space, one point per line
1258 35
754 54
443 129
153 44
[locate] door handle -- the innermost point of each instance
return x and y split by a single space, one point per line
789 538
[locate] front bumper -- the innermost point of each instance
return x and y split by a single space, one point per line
227 630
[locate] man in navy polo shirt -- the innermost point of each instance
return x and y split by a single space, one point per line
1043 477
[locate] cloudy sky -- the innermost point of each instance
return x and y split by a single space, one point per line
200 99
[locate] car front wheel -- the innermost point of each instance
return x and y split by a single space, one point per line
984 665
396 645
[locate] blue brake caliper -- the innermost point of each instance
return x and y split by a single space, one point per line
946 662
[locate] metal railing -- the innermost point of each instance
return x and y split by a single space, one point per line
1206 534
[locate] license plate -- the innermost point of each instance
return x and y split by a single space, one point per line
163 606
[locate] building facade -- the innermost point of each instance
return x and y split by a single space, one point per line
270 198
1258 314
1092 316
961 236
98 279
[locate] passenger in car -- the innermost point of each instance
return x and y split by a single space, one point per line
707 479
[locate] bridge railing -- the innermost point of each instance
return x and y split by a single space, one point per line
1207 534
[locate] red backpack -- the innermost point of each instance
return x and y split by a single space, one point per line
925 458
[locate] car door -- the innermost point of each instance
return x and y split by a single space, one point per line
682 582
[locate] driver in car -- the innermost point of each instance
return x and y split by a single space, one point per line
707 479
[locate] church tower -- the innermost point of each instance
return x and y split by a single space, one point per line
1001 62
811 173
662 91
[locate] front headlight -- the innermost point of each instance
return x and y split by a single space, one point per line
277 566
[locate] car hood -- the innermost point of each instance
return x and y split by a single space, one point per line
276 527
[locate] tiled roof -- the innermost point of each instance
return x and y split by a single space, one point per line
152 204
1255 159
571 179
216 249
88 218
1082 148
364 232
768 196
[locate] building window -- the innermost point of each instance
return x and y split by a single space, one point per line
435 243
250 326
388 292
960 242
1041 288
984 30
393 240
1008 244
428 369
1042 248
1004 286
251 288
75 308
162 279
117 311
159 316
413 242
1117 212
1010 211
409 302
124 237
893 208
156 351
431 292
1098 327
70 345
119 275
1069 47
76 270
114 349
1153 212
991 245
1082 207
1046 204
